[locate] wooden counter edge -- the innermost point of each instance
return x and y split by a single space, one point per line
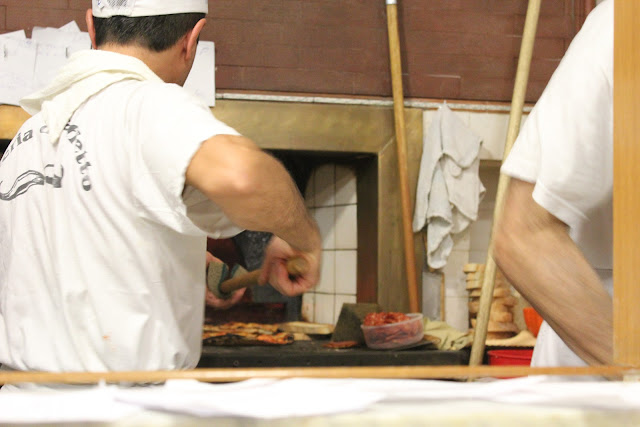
381 372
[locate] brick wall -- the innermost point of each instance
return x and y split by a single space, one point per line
452 49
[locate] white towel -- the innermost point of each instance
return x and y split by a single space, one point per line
449 188
87 73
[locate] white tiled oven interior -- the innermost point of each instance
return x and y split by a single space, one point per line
331 197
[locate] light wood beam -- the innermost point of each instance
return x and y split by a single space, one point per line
626 171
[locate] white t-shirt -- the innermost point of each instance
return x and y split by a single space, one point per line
566 149
102 265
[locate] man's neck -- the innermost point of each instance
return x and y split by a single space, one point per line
161 63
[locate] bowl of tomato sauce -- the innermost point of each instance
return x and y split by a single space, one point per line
387 330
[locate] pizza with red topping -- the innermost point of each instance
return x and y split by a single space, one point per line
241 333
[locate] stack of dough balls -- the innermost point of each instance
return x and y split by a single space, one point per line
501 324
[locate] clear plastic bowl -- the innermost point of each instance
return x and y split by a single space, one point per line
394 335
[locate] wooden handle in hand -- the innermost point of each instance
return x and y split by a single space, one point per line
295 266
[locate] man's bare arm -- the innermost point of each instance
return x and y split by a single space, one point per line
535 252
253 189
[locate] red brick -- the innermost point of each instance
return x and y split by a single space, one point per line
345 36
520 7
419 85
549 26
484 89
542 69
506 7
253 55
235 31
462 43
256 10
455 49
27 18
378 84
479 66
535 89
548 48
432 5
228 9
454 22
29 4
556 7
296 80
229 77
350 59
498 89
79 4
330 13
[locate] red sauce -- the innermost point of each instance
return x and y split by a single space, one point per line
384 318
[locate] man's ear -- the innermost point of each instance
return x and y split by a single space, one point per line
91 28
191 40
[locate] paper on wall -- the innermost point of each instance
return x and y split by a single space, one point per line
18 35
27 65
201 80
54 47
17 65
63 36
70 27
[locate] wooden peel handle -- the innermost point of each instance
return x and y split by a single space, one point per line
295 266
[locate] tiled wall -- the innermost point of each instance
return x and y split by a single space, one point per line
332 199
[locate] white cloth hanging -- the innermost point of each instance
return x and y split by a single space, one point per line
449 188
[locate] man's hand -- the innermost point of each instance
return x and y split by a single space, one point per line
274 270
219 303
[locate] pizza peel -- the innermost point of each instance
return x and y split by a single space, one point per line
240 278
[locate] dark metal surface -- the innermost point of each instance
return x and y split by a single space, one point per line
312 353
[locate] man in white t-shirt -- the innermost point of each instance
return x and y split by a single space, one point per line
108 194
554 241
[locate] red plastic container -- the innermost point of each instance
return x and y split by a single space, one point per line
510 357
532 319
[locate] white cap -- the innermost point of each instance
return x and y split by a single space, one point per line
134 8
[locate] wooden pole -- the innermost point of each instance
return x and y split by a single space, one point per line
626 170
401 145
517 104
240 374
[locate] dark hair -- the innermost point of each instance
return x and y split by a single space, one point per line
156 33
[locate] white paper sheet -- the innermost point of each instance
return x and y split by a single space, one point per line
89 405
17 67
534 390
201 80
271 399
294 397
18 35
27 65
71 27
54 47
579 394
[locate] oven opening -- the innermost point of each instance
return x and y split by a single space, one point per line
331 185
